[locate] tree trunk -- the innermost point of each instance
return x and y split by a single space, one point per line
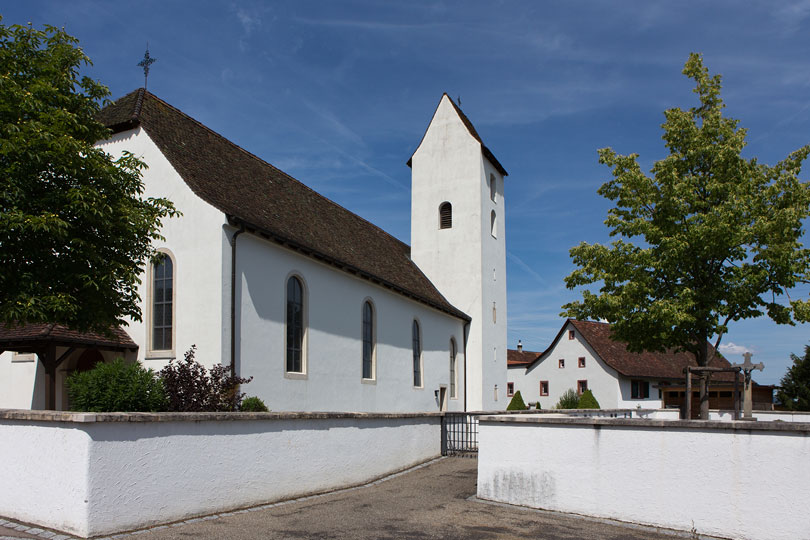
703 361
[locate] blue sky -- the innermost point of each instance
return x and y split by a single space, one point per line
338 94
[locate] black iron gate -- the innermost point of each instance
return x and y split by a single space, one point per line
459 434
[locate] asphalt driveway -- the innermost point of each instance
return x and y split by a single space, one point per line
430 502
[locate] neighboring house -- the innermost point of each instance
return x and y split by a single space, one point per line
323 309
584 356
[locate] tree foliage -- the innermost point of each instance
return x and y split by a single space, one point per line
794 394
710 238
74 227
517 403
117 386
568 400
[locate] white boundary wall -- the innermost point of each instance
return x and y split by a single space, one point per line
742 480
75 472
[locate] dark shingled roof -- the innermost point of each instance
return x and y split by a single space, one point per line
656 365
520 358
40 333
466 121
266 201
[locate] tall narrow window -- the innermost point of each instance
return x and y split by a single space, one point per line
453 376
295 325
493 187
445 215
368 340
417 355
162 304
494 224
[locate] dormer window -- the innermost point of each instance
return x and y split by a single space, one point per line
445 215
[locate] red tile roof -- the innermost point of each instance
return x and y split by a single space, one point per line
658 365
41 333
266 201
520 358
471 129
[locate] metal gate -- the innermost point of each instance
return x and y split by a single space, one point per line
459 434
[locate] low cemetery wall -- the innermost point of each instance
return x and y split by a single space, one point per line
98 474
742 480
763 416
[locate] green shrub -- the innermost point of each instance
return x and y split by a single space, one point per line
253 404
517 403
116 387
588 401
568 400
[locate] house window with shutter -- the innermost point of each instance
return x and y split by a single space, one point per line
639 389
445 215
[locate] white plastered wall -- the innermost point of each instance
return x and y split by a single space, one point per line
22 382
163 471
201 256
465 262
333 344
742 484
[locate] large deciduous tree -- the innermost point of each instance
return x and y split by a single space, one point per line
794 391
709 238
75 229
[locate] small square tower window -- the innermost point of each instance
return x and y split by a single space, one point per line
493 187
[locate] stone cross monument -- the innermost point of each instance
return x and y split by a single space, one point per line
747 367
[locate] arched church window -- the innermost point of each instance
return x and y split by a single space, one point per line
493 224
368 340
162 304
417 355
295 325
493 187
445 215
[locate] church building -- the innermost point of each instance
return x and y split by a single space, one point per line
326 311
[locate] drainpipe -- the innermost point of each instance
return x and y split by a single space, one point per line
233 299
466 328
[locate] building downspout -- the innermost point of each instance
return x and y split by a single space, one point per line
466 328
233 299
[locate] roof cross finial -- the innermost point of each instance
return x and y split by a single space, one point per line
145 63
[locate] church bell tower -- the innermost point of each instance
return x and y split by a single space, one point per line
458 241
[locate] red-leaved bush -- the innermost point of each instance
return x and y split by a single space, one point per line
190 387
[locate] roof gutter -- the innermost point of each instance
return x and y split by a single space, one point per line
233 299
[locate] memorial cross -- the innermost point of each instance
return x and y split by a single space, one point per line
747 367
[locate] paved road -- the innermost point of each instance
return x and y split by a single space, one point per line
431 502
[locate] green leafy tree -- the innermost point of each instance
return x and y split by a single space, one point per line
517 403
718 236
588 401
74 227
794 393
568 400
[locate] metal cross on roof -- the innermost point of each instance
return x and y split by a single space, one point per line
145 63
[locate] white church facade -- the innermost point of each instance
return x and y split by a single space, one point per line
324 310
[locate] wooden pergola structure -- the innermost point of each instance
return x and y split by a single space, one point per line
45 340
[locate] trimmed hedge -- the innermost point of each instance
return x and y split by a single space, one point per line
517 403
588 401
